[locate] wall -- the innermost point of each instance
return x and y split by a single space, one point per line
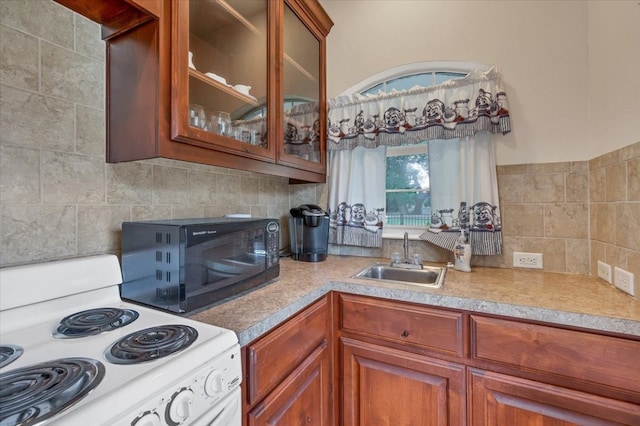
558 58
58 197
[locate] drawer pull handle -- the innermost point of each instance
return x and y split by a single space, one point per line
405 333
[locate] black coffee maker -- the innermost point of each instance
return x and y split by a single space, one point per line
309 233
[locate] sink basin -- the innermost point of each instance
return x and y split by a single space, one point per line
429 276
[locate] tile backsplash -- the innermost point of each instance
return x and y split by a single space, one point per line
59 199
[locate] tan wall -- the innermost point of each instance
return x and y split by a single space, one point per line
567 66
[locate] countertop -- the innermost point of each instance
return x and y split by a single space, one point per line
566 299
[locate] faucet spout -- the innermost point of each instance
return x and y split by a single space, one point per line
406 247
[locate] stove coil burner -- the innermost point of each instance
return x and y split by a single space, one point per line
32 394
9 353
151 344
94 321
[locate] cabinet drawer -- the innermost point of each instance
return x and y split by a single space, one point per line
271 358
579 355
434 329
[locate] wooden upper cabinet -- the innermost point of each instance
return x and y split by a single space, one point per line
220 86
230 83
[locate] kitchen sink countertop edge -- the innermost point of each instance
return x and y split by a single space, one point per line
565 299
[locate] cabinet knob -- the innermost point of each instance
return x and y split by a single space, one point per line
405 333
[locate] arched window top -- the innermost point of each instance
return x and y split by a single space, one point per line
407 76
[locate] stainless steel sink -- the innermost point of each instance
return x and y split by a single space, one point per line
429 276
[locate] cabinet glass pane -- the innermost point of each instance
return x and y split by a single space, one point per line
228 68
301 86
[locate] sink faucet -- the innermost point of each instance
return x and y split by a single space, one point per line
406 262
406 248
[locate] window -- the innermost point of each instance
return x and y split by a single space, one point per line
408 200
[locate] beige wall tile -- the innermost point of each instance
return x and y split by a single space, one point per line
633 179
597 185
72 179
149 212
606 225
90 131
577 187
511 188
544 168
631 151
19 175
578 259
616 182
202 188
99 228
35 17
88 40
28 119
512 169
129 183
628 225
546 188
187 211
228 187
522 220
249 191
598 252
170 186
274 192
71 76
19 66
33 234
566 220
580 166
552 249
633 266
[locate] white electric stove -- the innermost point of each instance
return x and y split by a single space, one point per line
73 353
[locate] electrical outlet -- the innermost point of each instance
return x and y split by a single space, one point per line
624 281
527 260
604 271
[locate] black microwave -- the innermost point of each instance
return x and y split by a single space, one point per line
181 265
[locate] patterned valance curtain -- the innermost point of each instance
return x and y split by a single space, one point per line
458 119
453 109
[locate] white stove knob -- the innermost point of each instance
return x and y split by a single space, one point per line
148 419
215 383
180 406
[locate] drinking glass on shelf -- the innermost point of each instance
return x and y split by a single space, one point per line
224 124
197 116
212 123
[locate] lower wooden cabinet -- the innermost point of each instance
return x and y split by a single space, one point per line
384 386
353 360
496 399
304 398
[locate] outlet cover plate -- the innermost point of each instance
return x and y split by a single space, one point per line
624 281
527 260
604 271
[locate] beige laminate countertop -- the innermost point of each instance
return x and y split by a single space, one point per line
566 299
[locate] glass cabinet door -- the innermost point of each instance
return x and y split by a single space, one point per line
220 74
302 142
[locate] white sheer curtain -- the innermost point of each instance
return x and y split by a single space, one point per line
357 196
464 193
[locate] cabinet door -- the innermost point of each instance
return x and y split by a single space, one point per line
220 72
383 386
302 96
498 400
303 398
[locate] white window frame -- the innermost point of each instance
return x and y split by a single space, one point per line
397 232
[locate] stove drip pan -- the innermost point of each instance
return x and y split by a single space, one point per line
32 394
94 321
151 344
9 353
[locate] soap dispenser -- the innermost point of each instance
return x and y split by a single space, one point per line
462 253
